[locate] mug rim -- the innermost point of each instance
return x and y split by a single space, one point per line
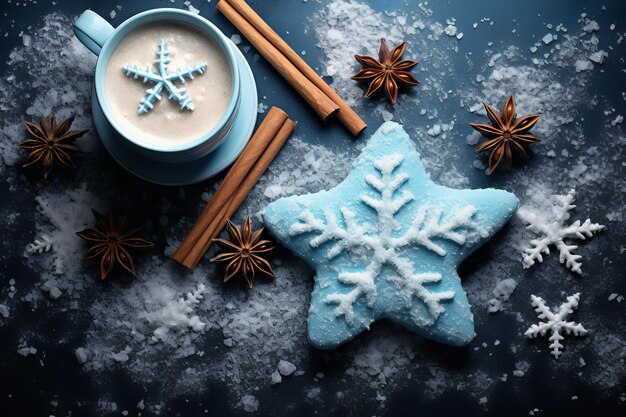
210 30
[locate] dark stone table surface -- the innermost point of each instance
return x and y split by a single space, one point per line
225 369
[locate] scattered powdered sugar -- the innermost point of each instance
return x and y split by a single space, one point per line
583 65
82 355
394 358
191 7
4 311
501 294
305 168
236 39
174 319
342 24
548 38
613 296
122 355
58 85
249 403
385 362
598 57
450 30
521 368
276 378
26 351
173 313
286 368
534 90
590 25
65 214
440 128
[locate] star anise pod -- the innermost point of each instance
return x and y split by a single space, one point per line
111 240
244 252
48 141
387 71
505 133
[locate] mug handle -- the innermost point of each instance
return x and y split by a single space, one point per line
92 30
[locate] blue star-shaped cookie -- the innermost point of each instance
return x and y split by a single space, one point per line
386 243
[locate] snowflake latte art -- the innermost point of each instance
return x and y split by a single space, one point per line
169 121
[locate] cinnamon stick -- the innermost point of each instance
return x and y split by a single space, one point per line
346 115
271 125
205 241
319 101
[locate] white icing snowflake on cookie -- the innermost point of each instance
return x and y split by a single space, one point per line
385 244
382 248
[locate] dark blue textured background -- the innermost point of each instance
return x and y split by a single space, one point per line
28 389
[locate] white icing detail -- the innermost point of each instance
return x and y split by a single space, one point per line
425 228
345 238
556 322
549 225
379 247
364 286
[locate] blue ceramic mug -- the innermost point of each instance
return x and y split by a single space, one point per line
102 39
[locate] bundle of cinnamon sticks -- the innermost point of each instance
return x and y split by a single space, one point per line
271 134
317 93
241 178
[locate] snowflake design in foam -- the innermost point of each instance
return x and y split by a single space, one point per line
550 225
164 79
556 322
382 245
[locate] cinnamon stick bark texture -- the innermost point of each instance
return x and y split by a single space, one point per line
346 115
264 134
319 101
237 184
213 231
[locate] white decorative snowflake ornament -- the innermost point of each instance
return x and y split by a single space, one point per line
556 322
386 242
164 79
549 224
